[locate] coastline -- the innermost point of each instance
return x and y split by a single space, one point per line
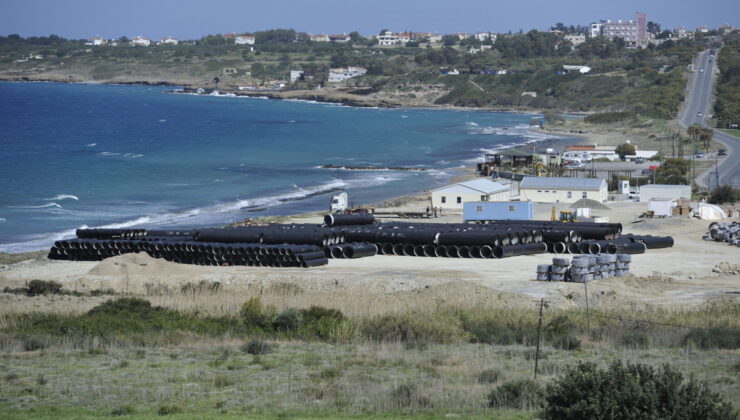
417 198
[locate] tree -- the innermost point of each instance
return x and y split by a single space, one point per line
664 35
724 194
625 149
355 37
653 27
450 40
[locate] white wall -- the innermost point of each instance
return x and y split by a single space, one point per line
451 198
673 192
561 195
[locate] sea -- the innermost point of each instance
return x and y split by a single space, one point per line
120 156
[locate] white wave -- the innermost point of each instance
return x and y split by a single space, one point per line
91 145
43 206
472 124
162 120
109 154
63 197
2 219
36 242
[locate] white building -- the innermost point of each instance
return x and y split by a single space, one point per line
388 38
244 40
453 196
295 75
664 191
435 39
682 33
342 74
580 69
169 40
96 40
576 40
141 41
320 38
483 36
596 29
634 32
562 190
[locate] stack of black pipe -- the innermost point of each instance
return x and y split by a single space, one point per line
180 247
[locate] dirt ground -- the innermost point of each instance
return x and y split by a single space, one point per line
675 277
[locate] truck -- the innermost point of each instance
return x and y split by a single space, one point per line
339 203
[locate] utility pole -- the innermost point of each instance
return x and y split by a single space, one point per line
539 336
588 316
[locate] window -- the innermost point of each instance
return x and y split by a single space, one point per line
444 199
570 195
484 198
459 200
585 194
511 208
479 209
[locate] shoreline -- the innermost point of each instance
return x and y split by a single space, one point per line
459 174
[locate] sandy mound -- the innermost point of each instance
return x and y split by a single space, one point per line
727 268
592 204
134 273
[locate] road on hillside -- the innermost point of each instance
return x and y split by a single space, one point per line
697 102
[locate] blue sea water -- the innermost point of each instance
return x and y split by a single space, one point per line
75 155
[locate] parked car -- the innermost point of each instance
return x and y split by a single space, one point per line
574 165
639 160
633 194
699 114
699 155
722 152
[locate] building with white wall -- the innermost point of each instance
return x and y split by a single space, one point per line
140 41
452 197
341 74
576 40
169 40
96 40
562 190
664 192
634 32
244 40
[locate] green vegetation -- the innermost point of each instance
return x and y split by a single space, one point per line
724 194
632 391
727 104
625 149
629 81
136 320
607 117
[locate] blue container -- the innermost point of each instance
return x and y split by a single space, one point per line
497 210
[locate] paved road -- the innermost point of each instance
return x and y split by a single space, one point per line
698 101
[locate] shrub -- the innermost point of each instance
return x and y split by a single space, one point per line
254 315
607 117
495 330
724 194
413 328
330 374
41 287
407 395
123 410
489 376
221 381
720 337
635 339
566 342
632 391
290 319
257 346
166 410
317 313
520 394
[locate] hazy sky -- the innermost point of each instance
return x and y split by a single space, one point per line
187 19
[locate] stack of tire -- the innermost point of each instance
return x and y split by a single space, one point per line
559 269
543 272
623 264
581 271
724 232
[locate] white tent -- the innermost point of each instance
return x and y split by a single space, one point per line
706 211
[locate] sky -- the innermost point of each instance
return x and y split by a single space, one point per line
191 19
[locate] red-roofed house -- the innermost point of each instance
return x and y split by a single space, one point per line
342 38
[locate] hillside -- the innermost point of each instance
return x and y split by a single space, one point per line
529 66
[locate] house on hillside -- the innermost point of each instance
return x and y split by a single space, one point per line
562 190
576 40
341 74
580 69
244 40
169 40
320 38
339 39
452 197
141 41
96 40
